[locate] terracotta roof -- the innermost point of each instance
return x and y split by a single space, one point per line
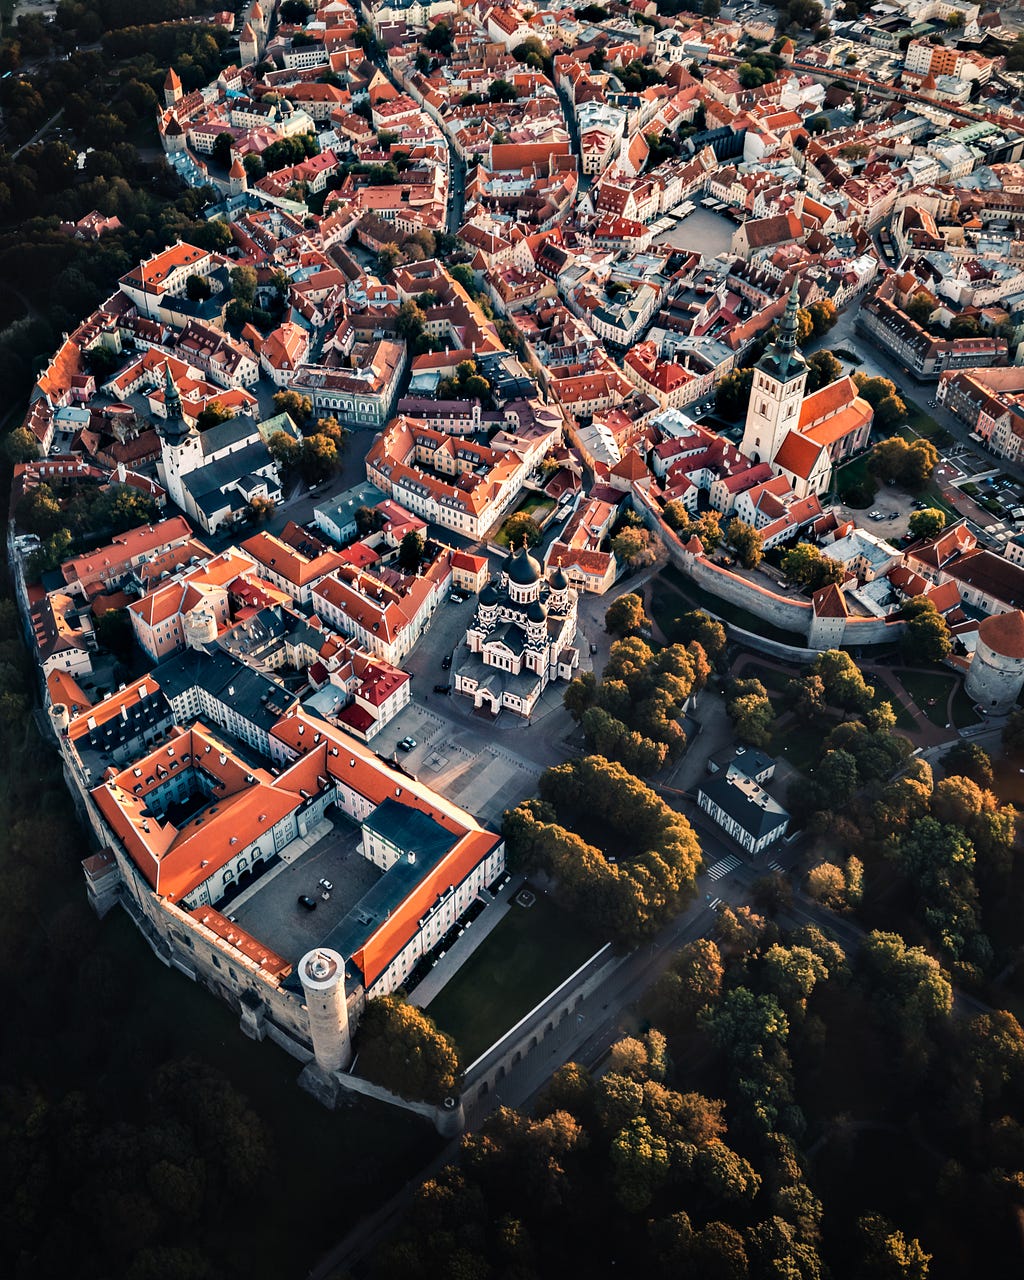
1004 632
798 455
828 602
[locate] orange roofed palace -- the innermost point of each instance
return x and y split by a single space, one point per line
194 825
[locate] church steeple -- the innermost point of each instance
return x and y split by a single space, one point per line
783 360
174 428
789 328
777 389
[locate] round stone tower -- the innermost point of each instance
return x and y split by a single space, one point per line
200 627
322 973
996 672
60 718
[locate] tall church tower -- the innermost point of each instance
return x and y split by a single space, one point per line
777 391
180 450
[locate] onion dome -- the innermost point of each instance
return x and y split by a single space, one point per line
523 569
558 580
489 595
536 611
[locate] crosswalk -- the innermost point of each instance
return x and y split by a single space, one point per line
719 869
776 866
714 904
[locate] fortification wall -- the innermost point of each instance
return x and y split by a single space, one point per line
780 611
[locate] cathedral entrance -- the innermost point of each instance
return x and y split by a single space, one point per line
487 703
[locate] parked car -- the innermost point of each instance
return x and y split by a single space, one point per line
442 688
407 744
326 884
446 662
307 902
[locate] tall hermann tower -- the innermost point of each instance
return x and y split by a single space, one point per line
322 973
777 391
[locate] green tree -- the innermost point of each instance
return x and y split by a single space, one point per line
521 527
909 990
318 459
927 523
198 288
750 710
823 368
114 632
732 395
926 637
890 413
969 761
874 390
698 627
284 449
243 284
746 542
845 686
823 315
887 1254
299 408
410 551
368 520
920 308
20 445
707 527
633 547
388 257
805 564
261 509
212 415
626 615
401 1048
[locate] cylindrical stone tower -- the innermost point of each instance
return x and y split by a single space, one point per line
322 973
996 672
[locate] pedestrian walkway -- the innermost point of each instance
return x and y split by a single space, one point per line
453 960
719 869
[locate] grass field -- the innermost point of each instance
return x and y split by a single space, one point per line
535 505
527 955
930 690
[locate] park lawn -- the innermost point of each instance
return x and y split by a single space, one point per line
964 713
774 680
854 475
536 505
930 690
923 423
528 954
801 744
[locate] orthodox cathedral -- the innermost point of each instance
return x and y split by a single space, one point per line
521 637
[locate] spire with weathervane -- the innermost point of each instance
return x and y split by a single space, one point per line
174 428
777 388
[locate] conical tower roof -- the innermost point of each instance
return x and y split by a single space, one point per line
174 428
783 360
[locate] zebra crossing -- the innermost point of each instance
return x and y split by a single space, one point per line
714 904
719 869
776 866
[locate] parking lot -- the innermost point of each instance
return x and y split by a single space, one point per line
463 763
272 912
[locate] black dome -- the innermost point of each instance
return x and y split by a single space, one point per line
558 580
523 569
536 611
489 595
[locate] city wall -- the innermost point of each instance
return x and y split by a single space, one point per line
796 616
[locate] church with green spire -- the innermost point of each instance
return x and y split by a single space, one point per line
801 436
